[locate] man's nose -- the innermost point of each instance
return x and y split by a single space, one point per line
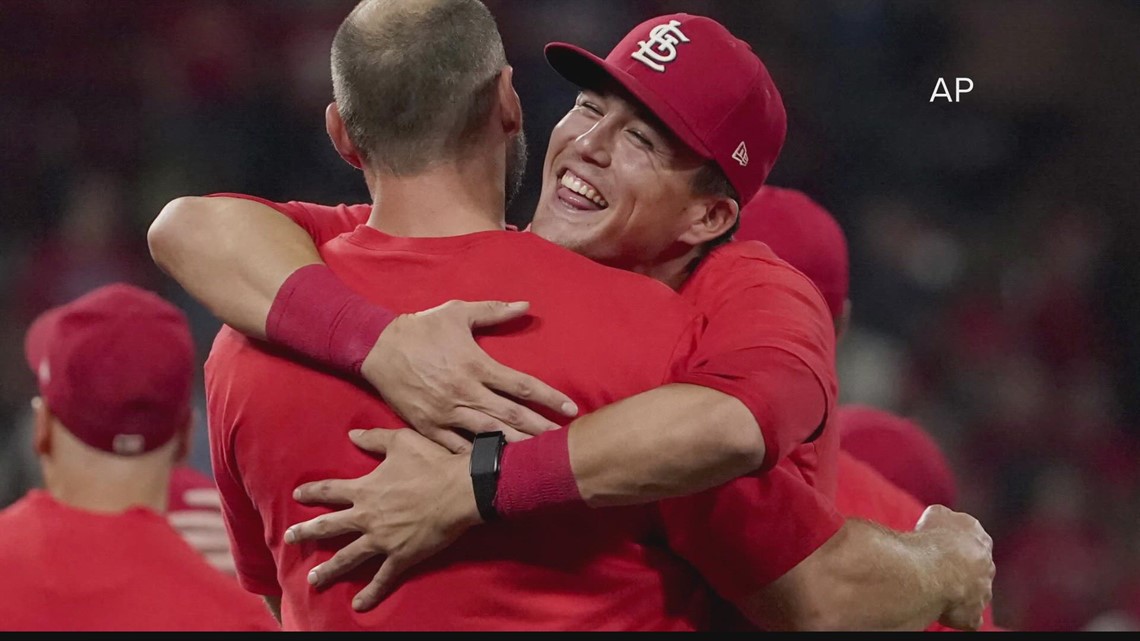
594 144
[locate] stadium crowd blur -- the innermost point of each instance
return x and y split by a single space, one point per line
995 281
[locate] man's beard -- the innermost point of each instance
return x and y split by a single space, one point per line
516 166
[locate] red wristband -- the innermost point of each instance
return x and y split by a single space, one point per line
535 474
317 315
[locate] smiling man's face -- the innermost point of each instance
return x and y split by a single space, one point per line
617 186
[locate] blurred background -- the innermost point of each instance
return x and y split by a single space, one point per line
995 270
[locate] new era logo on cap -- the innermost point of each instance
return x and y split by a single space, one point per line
741 154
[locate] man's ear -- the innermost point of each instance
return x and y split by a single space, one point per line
338 134
509 104
42 427
714 218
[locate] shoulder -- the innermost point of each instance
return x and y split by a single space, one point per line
750 262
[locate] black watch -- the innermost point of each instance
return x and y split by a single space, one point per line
486 452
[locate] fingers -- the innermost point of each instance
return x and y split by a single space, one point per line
345 560
477 422
376 441
512 415
380 586
484 313
454 442
327 492
321 527
528 388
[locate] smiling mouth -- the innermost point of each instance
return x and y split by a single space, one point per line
580 194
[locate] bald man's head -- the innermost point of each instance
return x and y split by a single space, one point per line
415 80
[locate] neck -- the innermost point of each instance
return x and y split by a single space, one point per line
109 486
450 199
671 271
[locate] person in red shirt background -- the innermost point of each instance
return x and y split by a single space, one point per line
890 468
92 551
809 238
758 258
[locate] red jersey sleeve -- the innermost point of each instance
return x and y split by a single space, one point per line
322 222
745 534
769 341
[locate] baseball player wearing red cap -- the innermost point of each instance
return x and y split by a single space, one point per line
92 551
576 192
889 468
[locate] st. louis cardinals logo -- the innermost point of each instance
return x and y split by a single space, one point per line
661 48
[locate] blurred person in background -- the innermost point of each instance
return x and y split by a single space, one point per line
889 468
671 270
193 504
810 239
92 551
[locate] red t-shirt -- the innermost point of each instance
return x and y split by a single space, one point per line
769 543
67 569
770 342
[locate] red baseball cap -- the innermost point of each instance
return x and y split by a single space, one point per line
900 450
116 367
703 83
805 235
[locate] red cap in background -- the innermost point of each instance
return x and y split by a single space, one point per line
805 235
900 450
703 83
116 367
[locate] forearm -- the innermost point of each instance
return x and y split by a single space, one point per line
231 255
864 578
671 441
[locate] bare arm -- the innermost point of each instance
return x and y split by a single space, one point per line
231 255
670 441
867 577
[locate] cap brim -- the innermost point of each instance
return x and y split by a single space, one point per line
588 71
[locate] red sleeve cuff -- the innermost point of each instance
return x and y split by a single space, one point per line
750 532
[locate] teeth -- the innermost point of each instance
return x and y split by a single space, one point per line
571 182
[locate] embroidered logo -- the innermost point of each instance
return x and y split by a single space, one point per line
741 155
661 48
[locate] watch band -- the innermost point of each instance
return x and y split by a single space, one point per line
486 453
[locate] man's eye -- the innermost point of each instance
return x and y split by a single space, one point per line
590 107
641 138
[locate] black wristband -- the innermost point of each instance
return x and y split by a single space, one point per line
486 453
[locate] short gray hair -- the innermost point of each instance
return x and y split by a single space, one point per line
415 80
